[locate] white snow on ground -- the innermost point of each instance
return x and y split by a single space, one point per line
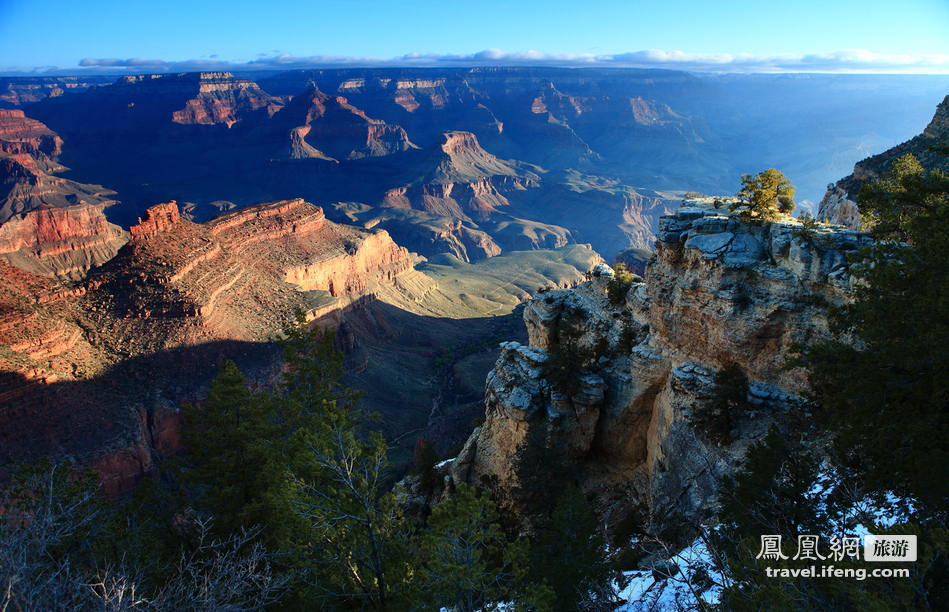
694 577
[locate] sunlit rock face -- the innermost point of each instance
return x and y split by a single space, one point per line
719 291
95 371
49 225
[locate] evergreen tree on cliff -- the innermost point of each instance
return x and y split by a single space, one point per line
888 390
235 467
765 195
884 386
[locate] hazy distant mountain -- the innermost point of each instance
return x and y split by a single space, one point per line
607 150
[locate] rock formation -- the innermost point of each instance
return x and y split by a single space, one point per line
331 126
719 291
840 202
48 225
60 242
96 373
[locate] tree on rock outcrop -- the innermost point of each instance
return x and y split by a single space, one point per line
765 196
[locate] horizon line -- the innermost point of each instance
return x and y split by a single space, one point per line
846 61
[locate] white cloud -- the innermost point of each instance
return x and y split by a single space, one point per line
841 61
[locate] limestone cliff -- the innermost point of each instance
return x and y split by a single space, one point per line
718 291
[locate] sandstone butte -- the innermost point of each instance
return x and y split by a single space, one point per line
718 291
96 373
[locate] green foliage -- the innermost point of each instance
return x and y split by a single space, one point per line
424 466
894 206
235 467
566 358
809 226
468 565
618 286
775 492
771 493
718 415
766 196
51 517
64 547
569 552
541 469
885 390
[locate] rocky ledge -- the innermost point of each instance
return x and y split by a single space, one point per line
718 291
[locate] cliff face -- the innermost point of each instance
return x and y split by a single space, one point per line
96 373
719 291
22 136
840 202
48 225
60 242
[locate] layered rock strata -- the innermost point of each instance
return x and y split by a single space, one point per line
95 373
719 291
48 225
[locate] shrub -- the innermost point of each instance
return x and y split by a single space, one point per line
718 414
619 285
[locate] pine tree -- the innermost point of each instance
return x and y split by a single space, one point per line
885 383
235 467
766 195
339 472
569 553
468 565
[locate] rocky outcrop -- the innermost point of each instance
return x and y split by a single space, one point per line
60 242
157 219
839 204
719 291
48 225
95 374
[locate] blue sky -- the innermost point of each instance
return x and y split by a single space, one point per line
119 36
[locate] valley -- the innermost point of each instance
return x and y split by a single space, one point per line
157 225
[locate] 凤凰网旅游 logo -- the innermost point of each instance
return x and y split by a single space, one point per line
875 548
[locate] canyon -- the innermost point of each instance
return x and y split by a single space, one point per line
155 226
177 298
